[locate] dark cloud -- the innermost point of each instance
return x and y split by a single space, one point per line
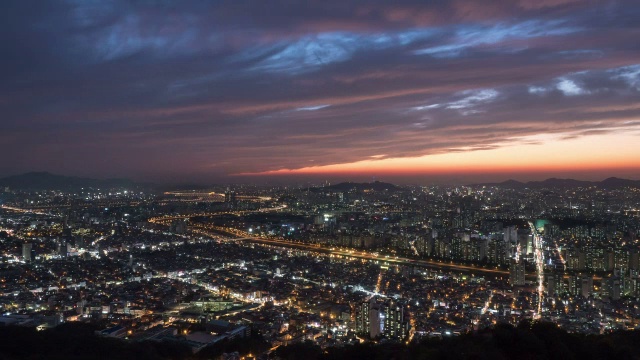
192 89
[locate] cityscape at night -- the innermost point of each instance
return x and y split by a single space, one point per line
448 179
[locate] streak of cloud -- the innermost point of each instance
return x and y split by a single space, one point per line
201 90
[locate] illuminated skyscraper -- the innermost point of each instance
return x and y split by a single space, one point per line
517 273
26 252
396 325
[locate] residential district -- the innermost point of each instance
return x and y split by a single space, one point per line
331 264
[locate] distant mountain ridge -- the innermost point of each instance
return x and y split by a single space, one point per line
609 183
359 187
46 181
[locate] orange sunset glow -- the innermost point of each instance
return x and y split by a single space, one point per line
609 152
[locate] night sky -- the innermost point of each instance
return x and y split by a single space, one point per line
173 91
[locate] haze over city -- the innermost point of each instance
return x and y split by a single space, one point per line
410 91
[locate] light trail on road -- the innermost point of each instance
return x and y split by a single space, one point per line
487 304
242 236
25 211
380 258
539 259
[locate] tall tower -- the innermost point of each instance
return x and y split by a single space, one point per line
362 317
516 273
26 252
376 320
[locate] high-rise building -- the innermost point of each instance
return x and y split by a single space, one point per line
581 284
496 252
362 317
26 252
574 285
376 320
576 259
62 248
621 259
230 196
586 286
517 273
387 319
609 260
525 241
631 282
480 249
456 247
613 287
510 234
396 325
634 260
553 283
595 258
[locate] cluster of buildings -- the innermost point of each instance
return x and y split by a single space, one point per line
377 318
330 264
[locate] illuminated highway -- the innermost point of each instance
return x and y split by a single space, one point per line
166 219
539 260
211 195
385 259
559 254
356 254
211 230
25 211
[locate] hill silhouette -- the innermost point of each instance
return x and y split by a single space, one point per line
529 340
609 183
47 181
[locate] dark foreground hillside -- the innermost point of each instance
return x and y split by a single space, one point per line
527 341
77 341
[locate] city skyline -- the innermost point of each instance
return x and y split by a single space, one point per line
320 179
450 91
331 268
